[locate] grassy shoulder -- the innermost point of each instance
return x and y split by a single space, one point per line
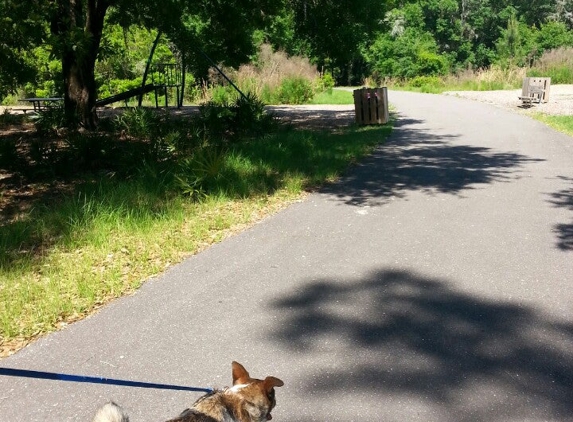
561 123
62 260
334 96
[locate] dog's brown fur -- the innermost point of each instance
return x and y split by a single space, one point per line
248 400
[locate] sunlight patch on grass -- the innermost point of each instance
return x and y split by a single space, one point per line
333 96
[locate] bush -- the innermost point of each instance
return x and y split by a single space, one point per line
50 120
244 118
139 122
295 90
420 81
410 54
325 83
427 83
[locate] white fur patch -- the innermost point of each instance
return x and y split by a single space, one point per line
238 387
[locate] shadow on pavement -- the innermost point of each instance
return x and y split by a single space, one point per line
417 159
564 198
402 335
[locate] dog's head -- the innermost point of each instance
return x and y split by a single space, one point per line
257 395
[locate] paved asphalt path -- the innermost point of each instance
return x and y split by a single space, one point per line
433 283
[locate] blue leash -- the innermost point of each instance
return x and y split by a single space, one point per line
95 380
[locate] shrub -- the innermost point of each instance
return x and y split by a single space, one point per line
420 81
244 118
139 122
50 120
294 90
325 83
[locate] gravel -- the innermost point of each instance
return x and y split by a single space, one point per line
560 100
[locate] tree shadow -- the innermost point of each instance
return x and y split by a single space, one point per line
327 118
418 159
564 198
400 334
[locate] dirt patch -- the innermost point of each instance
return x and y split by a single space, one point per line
315 117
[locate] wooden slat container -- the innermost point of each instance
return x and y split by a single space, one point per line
371 106
544 83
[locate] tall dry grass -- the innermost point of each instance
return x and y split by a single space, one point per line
271 68
492 78
272 76
556 64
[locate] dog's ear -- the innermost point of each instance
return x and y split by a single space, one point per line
272 382
240 374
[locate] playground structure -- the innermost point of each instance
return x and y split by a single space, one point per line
167 79
126 95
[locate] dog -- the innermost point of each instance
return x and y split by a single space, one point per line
248 400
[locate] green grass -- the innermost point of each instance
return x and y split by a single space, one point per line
561 123
63 259
334 96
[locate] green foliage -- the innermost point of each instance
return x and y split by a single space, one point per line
49 120
427 83
223 94
335 31
245 118
294 90
410 54
347 40
22 27
200 173
139 122
325 83
553 35
116 86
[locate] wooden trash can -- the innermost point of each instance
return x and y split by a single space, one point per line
530 83
371 106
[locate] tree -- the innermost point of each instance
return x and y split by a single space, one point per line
21 29
76 27
336 30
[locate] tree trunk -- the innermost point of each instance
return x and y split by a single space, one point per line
78 58
80 93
